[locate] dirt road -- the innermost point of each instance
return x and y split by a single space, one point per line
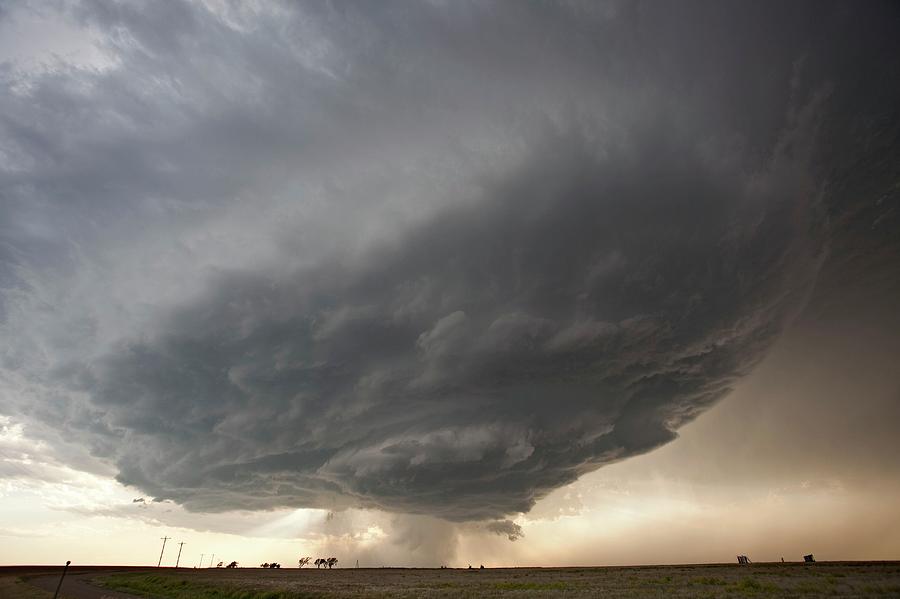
77 586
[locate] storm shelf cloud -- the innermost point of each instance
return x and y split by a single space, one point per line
430 258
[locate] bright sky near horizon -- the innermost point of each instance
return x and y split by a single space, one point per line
430 283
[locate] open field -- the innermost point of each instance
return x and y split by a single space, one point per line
832 579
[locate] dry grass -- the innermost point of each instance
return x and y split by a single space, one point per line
859 579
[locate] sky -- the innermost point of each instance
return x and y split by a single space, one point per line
431 283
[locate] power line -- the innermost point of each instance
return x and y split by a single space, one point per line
211 560
180 547
202 555
164 539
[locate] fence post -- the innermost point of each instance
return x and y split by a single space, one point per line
59 586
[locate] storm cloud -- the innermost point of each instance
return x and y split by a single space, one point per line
429 258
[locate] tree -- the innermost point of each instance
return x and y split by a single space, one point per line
303 561
232 565
331 561
318 562
265 565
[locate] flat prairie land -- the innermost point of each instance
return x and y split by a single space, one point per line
831 579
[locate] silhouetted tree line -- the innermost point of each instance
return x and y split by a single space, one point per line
328 562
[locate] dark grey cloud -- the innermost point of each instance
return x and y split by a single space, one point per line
436 259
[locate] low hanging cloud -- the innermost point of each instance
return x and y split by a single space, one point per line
399 257
508 528
447 389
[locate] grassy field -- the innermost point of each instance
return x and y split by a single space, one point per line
858 579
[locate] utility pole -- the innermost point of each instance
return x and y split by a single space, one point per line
164 539
202 555
211 560
180 546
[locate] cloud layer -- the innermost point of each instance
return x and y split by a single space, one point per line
435 259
